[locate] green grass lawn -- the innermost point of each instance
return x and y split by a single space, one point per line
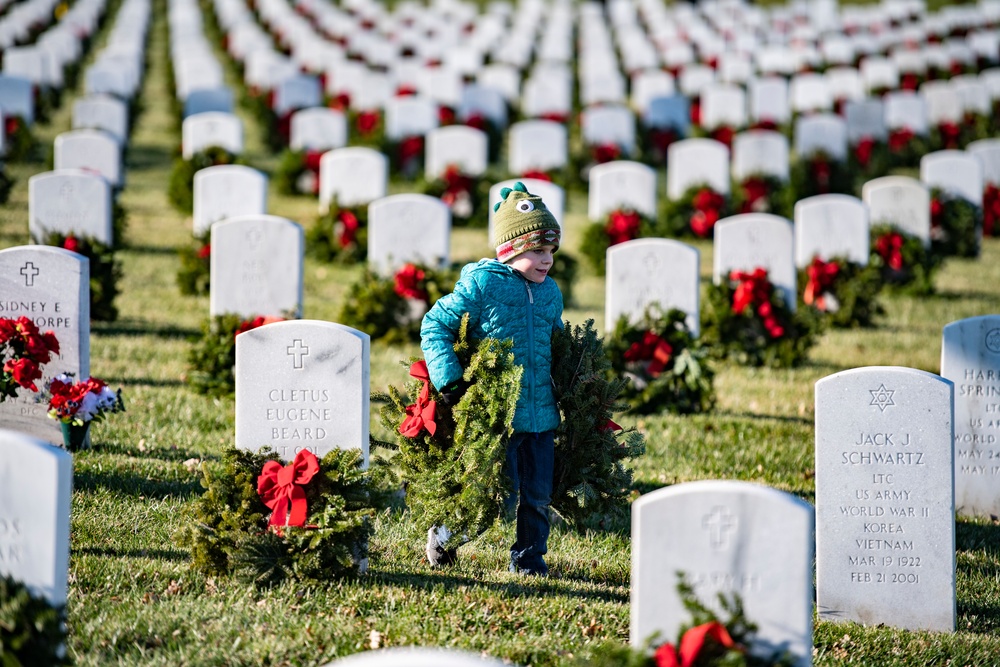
133 599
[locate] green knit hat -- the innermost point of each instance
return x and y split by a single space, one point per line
521 222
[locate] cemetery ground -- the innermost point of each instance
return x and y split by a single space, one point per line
134 600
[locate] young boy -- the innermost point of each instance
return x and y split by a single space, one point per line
511 297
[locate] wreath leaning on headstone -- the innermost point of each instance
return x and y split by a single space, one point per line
266 522
180 190
747 320
618 226
905 264
195 275
956 225
32 630
212 357
666 365
339 235
694 214
105 271
844 291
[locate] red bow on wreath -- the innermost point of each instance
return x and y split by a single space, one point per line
707 209
622 226
863 151
408 280
652 348
410 149
420 415
821 276
692 643
367 122
755 192
347 228
819 169
724 135
937 212
456 184
889 247
949 134
281 486
537 174
606 153
900 139
991 208
754 290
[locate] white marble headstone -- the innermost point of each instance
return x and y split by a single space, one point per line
723 105
36 485
256 266
865 119
353 175
970 357
828 226
317 129
725 537
810 92
227 191
988 152
102 112
410 117
52 287
885 498
825 133
17 97
642 272
902 202
91 150
408 228
456 145
769 100
211 128
956 172
68 201
757 240
537 145
609 124
415 656
760 152
302 384
695 162
906 109
204 100
620 185
672 111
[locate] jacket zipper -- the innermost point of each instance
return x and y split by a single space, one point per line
531 355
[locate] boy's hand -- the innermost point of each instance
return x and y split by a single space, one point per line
453 393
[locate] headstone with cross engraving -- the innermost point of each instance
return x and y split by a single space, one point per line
749 241
828 226
256 267
725 537
36 482
900 201
52 287
644 272
408 228
227 191
970 357
885 498
69 201
302 384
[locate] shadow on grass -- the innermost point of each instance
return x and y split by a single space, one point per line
156 554
140 328
134 485
947 295
152 249
172 454
148 156
754 416
143 382
525 587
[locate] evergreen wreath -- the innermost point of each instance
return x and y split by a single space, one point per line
846 293
195 275
466 196
592 155
654 142
368 128
105 271
708 640
819 174
452 457
298 172
946 136
181 186
694 214
619 226
32 630
406 156
228 532
666 364
19 142
905 264
746 320
906 148
212 357
956 224
591 482
991 210
276 130
763 193
867 159
391 308
340 235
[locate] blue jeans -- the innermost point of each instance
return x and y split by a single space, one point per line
529 466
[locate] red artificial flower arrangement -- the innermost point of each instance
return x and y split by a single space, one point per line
24 350
82 402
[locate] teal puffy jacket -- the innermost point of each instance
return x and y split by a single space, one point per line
501 304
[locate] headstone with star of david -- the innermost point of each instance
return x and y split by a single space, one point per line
885 498
970 357
725 537
644 272
52 287
256 267
70 201
302 384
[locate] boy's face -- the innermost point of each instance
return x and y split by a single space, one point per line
535 263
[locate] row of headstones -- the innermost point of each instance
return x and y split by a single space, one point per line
42 65
199 79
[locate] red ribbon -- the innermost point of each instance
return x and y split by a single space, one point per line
889 247
622 226
900 139
695 111
408 281
949 134
991 208
478 121
755 193
367 122
537 175
754 290
937 212
724 135
606 153
909 81
446 116
692 644
707 210
820 170
348 228
281 486
863 151
821 276
652 348
410 149
420 415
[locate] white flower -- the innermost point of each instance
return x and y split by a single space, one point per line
107 399
88 407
